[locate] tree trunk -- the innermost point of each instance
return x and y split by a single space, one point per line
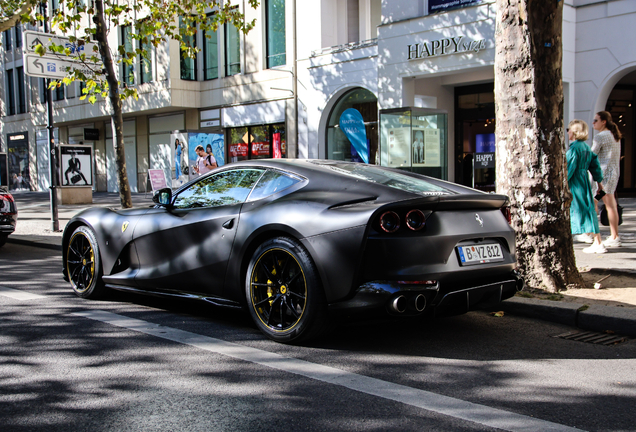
117 116
531 164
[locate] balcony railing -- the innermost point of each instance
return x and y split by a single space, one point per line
345 47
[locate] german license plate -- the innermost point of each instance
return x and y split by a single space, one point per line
480 254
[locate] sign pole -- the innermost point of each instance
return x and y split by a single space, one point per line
55 222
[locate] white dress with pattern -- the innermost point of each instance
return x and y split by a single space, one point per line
608 151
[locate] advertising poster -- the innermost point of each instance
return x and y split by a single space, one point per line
419 154
278 153
352 124
260 149
212 143
18 161
180 165
485 143
399 147
432 147
76 162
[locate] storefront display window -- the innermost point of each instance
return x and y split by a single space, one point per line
257 142
352 128
414 139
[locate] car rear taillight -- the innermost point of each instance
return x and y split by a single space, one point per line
507 213
415 220
7 208
390 222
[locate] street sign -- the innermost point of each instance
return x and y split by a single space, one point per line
51 67
33 39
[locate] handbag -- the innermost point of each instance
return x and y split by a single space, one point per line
76 178
603 213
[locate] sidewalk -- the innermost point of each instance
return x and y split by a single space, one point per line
611 308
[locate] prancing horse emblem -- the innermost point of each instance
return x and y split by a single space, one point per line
480 220
124 226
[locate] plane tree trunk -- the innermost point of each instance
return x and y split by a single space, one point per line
531 164
117 118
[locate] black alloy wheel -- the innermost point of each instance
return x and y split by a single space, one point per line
283 291
83 264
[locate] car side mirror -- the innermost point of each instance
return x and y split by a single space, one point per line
163 197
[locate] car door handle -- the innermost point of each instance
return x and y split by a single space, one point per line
228 224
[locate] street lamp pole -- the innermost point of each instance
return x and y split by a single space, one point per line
55 222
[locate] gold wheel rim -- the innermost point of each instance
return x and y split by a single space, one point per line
278 290
80 262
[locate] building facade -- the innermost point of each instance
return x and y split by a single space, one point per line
405 83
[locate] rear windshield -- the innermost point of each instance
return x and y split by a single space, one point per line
391 178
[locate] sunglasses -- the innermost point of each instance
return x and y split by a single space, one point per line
595 121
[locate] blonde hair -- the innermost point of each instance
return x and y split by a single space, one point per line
579 130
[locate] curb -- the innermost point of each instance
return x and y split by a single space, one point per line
595 318
43 245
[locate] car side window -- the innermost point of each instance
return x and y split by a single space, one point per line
224 188
270 183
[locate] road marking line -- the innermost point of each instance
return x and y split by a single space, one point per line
18 294
445 405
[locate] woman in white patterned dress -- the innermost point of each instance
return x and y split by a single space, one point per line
607 145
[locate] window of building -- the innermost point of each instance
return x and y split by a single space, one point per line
10 93
232 50
339 145
21 93
275 27
145 61
58 93
210 55
188 65
128 76
42 89
257 142
18 36
7 40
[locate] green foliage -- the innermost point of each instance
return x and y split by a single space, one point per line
152 23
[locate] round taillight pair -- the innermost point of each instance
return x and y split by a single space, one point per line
390 221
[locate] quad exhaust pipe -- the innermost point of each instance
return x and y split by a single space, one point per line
401 303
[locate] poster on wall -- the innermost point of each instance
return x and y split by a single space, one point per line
18 161
432 148
76 164
435 6
399 147
213 144
276 142
180 166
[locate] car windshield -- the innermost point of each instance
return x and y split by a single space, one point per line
394 179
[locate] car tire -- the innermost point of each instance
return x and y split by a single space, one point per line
84 265
3 239
283 291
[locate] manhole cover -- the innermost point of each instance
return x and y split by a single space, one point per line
594 337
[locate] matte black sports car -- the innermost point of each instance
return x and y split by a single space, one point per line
295 241
8 215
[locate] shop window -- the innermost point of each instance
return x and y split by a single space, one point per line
275 25
232 50
358 109
257 142
210 55
414 139
188 65
10 93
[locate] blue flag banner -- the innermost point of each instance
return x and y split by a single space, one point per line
352 124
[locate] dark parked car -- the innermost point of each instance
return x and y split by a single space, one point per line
8 215
297 241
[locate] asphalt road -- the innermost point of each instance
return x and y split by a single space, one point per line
137 363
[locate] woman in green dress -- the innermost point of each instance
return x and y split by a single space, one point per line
580 160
